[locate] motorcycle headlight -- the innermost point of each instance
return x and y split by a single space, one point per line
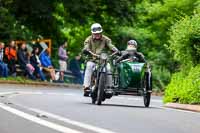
104 56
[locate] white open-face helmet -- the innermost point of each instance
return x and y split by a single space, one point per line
96 28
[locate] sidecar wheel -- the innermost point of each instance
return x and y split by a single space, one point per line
101 87
147 89
147 98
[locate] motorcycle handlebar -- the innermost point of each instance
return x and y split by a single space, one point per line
96 55
93 54
116 52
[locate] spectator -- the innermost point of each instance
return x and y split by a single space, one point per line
62 54
23 60
10 58
47 64
35 62
75 67
3 66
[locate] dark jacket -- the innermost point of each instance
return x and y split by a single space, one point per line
139 56
33 60
75 66
22 58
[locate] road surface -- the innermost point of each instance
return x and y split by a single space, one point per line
29 109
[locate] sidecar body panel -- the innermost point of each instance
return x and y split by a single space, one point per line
131 75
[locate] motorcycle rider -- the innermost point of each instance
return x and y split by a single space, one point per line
93 46
131 53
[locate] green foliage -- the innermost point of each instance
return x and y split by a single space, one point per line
18 79
185 45
184 87
159 16
10 28
185 40
151 29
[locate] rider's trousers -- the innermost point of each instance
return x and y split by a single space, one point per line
90 67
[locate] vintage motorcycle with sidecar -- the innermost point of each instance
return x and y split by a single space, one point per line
129 77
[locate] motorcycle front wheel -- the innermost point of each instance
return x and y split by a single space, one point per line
101 87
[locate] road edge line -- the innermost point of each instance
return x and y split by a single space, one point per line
37 120
72 122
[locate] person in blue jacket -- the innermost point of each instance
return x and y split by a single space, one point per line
47 64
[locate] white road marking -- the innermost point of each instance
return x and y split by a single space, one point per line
72 122
38 120
24 93
35 93
65 94
7 93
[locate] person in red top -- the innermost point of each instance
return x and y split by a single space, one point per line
11 56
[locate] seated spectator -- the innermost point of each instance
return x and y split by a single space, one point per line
10 58
23 60
3 66
75 67
62 54
47 64
35 62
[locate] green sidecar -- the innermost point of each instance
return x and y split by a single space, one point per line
133 78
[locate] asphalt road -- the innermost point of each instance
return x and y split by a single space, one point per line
25 109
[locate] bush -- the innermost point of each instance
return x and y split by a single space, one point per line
185 41
184 87
185 45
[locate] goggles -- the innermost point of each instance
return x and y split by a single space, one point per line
97 29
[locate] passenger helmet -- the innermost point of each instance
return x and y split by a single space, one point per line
132 42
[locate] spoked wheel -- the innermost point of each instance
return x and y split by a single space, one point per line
147 98
93 91
147 88
94 95
101 87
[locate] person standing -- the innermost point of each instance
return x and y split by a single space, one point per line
10 57
3 66
62 54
